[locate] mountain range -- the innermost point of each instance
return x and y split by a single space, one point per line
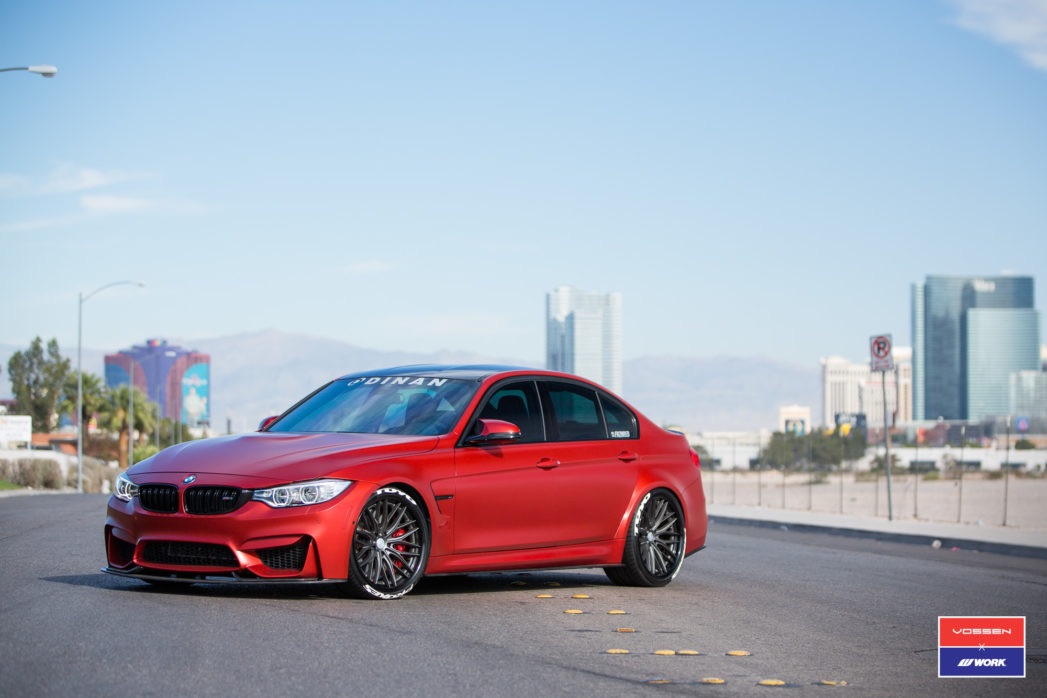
257 374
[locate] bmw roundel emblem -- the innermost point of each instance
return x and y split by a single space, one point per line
189 479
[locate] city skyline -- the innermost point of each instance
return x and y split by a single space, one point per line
756 179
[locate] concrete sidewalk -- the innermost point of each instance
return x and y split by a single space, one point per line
997 539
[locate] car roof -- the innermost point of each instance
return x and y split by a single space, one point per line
460 371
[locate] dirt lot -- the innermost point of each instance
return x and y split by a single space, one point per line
1017 501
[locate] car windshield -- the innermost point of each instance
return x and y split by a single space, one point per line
410 405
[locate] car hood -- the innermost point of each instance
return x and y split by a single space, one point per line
261 459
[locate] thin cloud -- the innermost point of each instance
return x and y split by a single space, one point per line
10 182
67 178
93 205
1019 24
40 224
114 204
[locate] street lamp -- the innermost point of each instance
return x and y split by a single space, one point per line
80 376
48 71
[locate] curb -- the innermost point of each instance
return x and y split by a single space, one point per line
909 538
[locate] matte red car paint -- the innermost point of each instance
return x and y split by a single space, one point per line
490 507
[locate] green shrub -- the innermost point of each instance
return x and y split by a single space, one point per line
38 473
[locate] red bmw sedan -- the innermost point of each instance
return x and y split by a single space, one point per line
380 478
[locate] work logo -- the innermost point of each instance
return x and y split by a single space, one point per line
976 646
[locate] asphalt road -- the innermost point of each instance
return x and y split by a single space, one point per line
806 607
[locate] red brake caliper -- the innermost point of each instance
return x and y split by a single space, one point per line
400 547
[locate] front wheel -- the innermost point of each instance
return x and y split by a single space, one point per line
390 546
655 544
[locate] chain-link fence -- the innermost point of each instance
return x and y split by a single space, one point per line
990 499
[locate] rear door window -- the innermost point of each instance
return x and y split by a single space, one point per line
576 412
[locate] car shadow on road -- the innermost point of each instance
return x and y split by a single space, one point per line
510 581
481 583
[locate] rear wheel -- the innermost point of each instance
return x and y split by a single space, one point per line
655 543
390 546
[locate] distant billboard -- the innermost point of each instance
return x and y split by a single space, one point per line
16 429
196 395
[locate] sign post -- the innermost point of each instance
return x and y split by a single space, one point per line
882 359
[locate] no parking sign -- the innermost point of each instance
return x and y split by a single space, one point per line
880 353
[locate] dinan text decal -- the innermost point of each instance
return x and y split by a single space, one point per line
399 380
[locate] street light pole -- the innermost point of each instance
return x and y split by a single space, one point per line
81 298
48 71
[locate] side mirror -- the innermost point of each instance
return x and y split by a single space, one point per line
267 422
493 431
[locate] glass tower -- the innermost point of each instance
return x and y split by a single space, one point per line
969 335
584 335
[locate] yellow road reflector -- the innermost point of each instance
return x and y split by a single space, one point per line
832 682
625 630
770 682
665 653
544 596
574 611
713 681
616 612
659 682
739 653
688 653
580 596
616 650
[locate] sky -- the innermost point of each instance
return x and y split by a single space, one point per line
757 178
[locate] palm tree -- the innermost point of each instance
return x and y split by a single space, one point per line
113 417
93 398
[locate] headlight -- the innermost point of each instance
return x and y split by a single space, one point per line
301 494
125 490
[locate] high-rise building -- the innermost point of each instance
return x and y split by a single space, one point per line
1029 394
584 335
970 333
178 380
850 389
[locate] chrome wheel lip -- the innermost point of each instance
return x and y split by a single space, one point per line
389 544
660 536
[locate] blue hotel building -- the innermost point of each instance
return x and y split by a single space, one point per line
179 381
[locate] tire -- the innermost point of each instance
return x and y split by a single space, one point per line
655 545
389 547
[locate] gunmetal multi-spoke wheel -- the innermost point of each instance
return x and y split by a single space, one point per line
655 545
390 546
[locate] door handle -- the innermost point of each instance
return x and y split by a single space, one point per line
628 456
547 463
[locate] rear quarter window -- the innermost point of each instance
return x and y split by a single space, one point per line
621 422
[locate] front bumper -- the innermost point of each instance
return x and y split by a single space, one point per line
255 543
148 575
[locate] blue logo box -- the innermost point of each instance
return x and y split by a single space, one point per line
973 662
